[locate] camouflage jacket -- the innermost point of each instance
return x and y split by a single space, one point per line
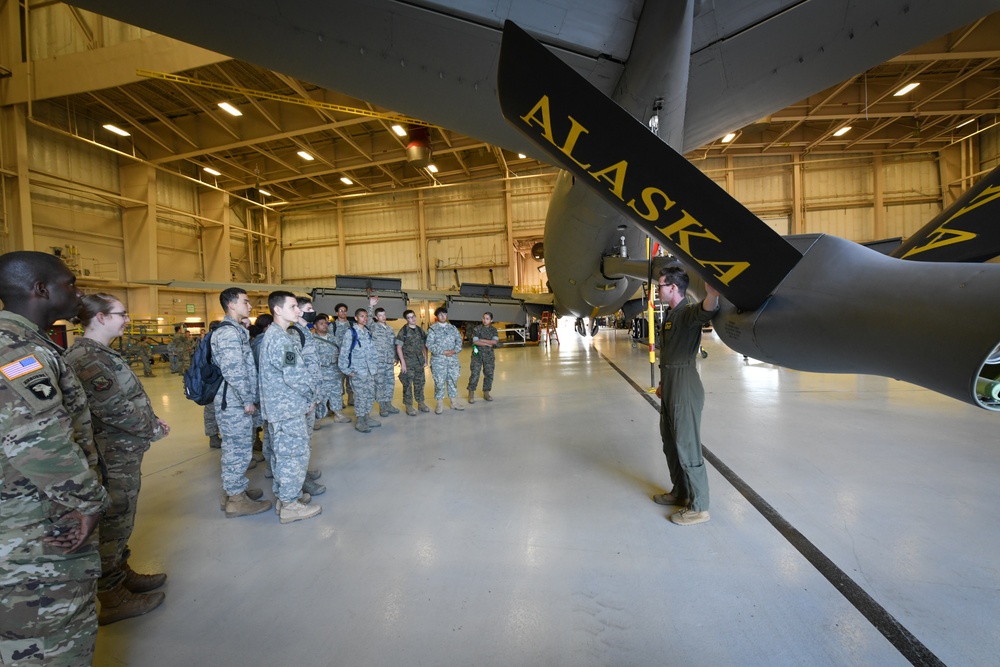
385 340
232 353
310 352
443 337
361 360
48 461
119 407
286 387
485 332
328 354
412 341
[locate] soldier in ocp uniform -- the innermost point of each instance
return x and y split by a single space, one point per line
146 356
385 358
235 405
444 342
124 427
411 349
176 347
50 486
485 338
358 362
286 397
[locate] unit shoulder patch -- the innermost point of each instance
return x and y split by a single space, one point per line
290 358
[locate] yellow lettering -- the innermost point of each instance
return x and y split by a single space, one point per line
684 237
651 214
617 181
726 275
942 236
541 115
545 120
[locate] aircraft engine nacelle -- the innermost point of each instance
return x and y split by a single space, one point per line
847 309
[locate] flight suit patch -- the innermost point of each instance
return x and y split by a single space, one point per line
101 383
289 358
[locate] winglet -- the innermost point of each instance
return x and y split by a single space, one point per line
605 147
967 231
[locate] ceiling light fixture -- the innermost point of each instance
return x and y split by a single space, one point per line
965 123
842 131
729 137
521 156
905 89
264 192
117 130
431 168
306 156
399 130
346 181
211 171
230 109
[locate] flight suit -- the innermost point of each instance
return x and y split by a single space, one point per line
681 403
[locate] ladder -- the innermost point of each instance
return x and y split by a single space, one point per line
549 326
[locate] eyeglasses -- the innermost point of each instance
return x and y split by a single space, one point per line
342 310
121 312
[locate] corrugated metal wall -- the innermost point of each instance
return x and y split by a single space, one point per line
55 32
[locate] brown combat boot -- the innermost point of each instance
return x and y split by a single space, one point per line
142 583
472 396
242 505
486 395
120 603
252 494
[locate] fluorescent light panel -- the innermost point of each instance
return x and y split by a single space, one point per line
431 168
230 109
264 192
965 123
842 131
729 137
211 171
346 181
905 89
399 130
305 156
521 156
117 130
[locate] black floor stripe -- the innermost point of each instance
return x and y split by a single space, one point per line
909 646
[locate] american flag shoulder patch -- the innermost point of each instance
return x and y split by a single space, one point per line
22 366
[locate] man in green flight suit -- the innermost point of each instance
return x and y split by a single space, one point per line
682 396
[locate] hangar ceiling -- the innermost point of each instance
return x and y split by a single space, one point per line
175 122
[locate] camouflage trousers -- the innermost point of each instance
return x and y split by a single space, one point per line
175 362
289 457
331 391
236 429
413 381
124 480
485 360
211 426
445 371
48 621
147 363
385 384
364 394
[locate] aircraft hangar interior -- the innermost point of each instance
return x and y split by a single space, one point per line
165 151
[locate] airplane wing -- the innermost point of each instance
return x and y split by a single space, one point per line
436 60
586 133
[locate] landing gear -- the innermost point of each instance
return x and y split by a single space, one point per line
581 328
594 327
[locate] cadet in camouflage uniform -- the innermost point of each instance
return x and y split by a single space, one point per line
412 353
485 338
444 342
51 492
177 344
358 362
385 358
331 384
682 397
146 356
338 327
286 397
124 426
235 404
310 356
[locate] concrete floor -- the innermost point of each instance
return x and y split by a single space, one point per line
520 532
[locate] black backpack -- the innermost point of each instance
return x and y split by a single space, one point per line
203 379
